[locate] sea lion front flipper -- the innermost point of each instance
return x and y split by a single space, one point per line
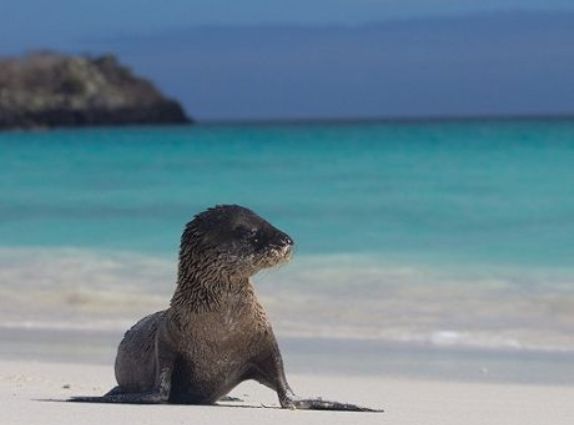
269 370
320 404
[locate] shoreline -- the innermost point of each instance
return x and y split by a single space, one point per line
324 357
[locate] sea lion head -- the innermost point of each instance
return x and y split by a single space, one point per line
233 242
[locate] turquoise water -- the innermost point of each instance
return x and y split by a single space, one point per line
477 192
443 233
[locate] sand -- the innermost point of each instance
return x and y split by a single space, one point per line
32 393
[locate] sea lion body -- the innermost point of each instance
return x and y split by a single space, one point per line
215 334
215 353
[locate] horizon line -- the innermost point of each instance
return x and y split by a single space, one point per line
389 119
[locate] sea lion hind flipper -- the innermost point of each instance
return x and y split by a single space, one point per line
114 391
227 398
158 395
127 398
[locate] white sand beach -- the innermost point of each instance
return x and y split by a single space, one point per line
33 393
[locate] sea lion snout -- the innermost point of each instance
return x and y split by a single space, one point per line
283 240
280 249
287 246
280 240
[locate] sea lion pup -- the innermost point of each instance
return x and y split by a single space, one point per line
215 334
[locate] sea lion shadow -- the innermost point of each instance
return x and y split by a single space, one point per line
245 406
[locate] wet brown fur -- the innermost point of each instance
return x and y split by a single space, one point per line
215 334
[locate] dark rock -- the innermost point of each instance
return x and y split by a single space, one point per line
50 90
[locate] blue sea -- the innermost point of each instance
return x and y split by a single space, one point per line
436 234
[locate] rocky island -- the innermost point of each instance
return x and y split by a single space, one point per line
49 89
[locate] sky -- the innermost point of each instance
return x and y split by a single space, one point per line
270 59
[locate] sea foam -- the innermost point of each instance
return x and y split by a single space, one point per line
332 296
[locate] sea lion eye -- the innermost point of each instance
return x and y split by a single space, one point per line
254 236
246 232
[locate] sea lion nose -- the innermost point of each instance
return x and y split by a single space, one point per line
283 240
286 240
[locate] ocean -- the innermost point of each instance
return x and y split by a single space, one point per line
430 234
